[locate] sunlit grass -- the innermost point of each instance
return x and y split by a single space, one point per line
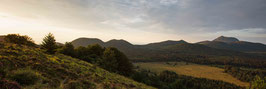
195 70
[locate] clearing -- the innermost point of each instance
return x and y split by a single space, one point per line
190 69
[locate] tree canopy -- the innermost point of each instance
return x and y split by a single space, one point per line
116 61
68 49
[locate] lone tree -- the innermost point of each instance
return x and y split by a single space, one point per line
49 43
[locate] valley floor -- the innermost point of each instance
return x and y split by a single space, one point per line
194 70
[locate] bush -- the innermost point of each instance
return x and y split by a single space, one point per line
4 84
258 83
168 76
1 45
80 85
24 77
18 39
2 72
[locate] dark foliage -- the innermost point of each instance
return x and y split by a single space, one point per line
5 84
258 83
80 85
24 77
171 80
91 53
246 75
3 71
18 39
1 45
49 44
226 60
115 61
68 49
110 59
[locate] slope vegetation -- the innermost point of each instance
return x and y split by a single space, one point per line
56 71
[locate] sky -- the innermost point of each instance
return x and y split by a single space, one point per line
137 21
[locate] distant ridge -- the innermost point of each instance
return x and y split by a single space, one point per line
168 42
165 43
226 39
86 41
116 42
232 43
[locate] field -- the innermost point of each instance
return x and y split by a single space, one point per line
195 70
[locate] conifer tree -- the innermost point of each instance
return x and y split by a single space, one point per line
49 43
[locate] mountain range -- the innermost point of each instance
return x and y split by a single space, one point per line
173 50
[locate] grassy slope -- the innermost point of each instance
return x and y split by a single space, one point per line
56 71
195 70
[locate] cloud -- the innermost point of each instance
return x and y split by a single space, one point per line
172 17
212 15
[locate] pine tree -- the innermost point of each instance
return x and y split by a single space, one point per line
49 43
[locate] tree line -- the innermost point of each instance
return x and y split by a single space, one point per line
246 75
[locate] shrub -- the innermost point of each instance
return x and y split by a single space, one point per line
18 39
4 84
24 77
258 83
168 76
80 85
1 45
2 72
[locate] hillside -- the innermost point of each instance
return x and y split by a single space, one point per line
85 41
181 50
226 39
57 71
234 44
164 47
164 43
155 50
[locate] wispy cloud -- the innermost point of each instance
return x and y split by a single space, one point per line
185 18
